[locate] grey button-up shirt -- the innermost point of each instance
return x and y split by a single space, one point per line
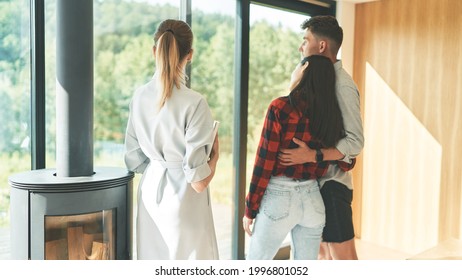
352 145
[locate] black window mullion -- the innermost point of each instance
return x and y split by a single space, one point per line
301 6
241 98
37 101
185 15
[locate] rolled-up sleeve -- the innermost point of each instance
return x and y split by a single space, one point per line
135 159
352 144
199 137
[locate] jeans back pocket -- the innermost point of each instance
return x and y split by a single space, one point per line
276 204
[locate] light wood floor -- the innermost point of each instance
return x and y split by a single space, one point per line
365 250
369 251
4 244
450 249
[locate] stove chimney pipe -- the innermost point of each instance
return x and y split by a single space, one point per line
74 88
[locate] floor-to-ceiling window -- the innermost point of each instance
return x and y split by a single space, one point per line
14 103
212 74
274 38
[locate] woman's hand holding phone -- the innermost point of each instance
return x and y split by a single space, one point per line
297 74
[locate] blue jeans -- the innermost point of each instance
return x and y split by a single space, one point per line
293 206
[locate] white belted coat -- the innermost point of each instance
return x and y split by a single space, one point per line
170 147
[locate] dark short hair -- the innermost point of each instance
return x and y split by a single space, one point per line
327 27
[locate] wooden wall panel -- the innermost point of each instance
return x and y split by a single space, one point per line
415 47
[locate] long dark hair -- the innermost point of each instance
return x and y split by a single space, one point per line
316 89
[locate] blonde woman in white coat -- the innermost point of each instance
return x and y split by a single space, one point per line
169 139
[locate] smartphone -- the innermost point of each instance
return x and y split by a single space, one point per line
304 60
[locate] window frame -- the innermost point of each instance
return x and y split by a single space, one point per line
37 97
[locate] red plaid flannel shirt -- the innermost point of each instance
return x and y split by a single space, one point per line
282 123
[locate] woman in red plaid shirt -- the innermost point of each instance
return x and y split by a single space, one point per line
285 199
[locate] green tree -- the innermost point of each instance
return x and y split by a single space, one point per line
14 96
14 78
273 56
213 75
123 59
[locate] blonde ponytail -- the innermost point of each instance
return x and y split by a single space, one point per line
173 42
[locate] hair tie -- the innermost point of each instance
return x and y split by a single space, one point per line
169 30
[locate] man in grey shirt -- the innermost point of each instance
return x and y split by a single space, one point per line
324 36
